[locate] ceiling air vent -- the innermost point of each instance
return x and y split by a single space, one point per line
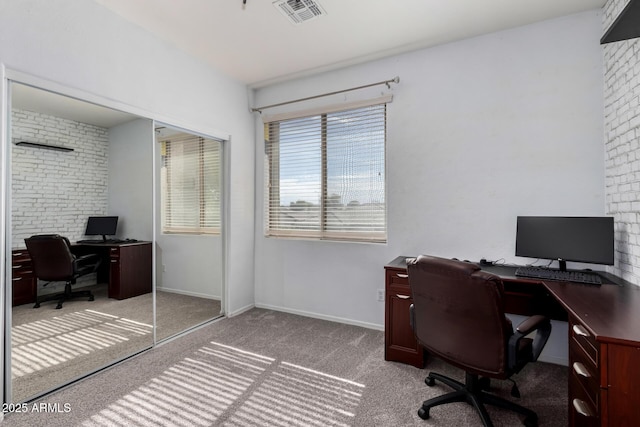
299 11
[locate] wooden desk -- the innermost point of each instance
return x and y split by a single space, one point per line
125 266
22 279
604 337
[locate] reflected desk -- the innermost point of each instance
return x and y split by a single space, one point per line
604 337
126 266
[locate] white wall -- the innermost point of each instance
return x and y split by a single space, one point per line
479 131
190 265
85 47
131 178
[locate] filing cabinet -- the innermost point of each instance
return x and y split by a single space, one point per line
400 342
23 280
129 270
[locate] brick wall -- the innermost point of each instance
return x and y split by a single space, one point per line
622 143
55 191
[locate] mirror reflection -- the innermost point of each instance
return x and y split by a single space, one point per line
189 239
81 232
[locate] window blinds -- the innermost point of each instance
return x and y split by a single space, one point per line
191 184
326 175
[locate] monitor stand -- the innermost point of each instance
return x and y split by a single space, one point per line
562 265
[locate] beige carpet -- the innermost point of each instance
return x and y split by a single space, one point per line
52 347
265 368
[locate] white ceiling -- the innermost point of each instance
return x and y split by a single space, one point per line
31 99
257 45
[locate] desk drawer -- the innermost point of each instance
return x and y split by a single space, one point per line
397 277
582 413
585 373
585 339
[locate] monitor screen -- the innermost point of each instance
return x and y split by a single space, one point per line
581 239
101 226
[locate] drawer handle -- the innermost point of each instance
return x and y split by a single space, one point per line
16 279
581 370
402 276
403 296
582 408
17 253
579 330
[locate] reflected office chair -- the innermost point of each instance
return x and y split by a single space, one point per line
458 316
53 261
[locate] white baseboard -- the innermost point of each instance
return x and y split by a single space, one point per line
188 293
323 317
240 310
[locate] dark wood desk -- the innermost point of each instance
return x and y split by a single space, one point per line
22 279
604 337
126 266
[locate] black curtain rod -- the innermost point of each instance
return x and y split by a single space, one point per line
385 82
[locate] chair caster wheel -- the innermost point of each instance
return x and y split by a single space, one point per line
37 305
423 414
430 381
91 298
531 421
58 307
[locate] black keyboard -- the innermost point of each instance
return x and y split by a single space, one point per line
565 276
94 241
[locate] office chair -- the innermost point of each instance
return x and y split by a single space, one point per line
458 315
53 261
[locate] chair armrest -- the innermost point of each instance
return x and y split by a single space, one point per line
86 257
538 323
530 324
87 260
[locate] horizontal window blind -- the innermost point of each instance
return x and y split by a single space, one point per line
191 185
326 175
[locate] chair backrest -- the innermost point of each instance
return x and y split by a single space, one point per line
459 314
51 257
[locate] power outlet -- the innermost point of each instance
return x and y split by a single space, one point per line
381 295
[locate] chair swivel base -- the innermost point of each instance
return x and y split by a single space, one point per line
471 392
64 296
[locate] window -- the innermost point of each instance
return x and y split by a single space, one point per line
325 175
191 184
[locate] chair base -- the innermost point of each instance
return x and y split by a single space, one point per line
63 296
472 393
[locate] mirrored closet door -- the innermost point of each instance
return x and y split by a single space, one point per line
189 251
85 173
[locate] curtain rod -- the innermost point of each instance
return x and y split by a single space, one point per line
385 82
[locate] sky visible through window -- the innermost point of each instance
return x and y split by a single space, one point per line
355 170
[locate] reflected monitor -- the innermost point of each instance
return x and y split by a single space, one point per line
102 226
580 239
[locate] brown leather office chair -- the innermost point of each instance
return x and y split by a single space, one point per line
53 261
458 316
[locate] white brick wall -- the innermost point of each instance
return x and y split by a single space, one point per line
55 191
622 143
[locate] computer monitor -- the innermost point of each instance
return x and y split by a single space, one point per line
580 239
102 226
